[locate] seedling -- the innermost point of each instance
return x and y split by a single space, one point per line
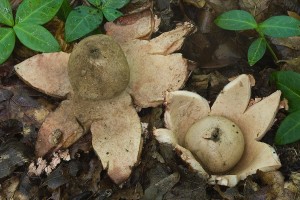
277 26
31 14
289 83
83 19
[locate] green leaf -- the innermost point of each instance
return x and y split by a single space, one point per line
256 50
7 43
81 21
236 20
116 4
280 26
64 10
289 129
36 37
6 16
95 2
289 84
37 11
111 14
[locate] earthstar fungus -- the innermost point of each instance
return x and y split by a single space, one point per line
217 142
99 82
221 142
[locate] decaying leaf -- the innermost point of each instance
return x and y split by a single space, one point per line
12 155
275 181
59 176
57 28
5 94
9 187
221 6
47 73
290 42
291 64
215 49
229 194
293 185
273 187
191 186
158 190
18 102
26 189
256 8
135 26
196 3
134 193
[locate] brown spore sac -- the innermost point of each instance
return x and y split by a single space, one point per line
98 68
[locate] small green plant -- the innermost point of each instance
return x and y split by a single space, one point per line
277 26
83 19
289 83
31 14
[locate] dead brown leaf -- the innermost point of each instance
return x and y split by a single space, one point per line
12 155
18 102
290 42
9 187
196 3
57 28
136 26
256 8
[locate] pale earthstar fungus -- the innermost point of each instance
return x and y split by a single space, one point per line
221 142
99 80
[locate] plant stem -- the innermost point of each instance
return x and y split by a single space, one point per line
272 52
268 46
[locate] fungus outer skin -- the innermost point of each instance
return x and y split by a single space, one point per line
98 68
217 143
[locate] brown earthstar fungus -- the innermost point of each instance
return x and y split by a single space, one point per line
221 142
103 81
